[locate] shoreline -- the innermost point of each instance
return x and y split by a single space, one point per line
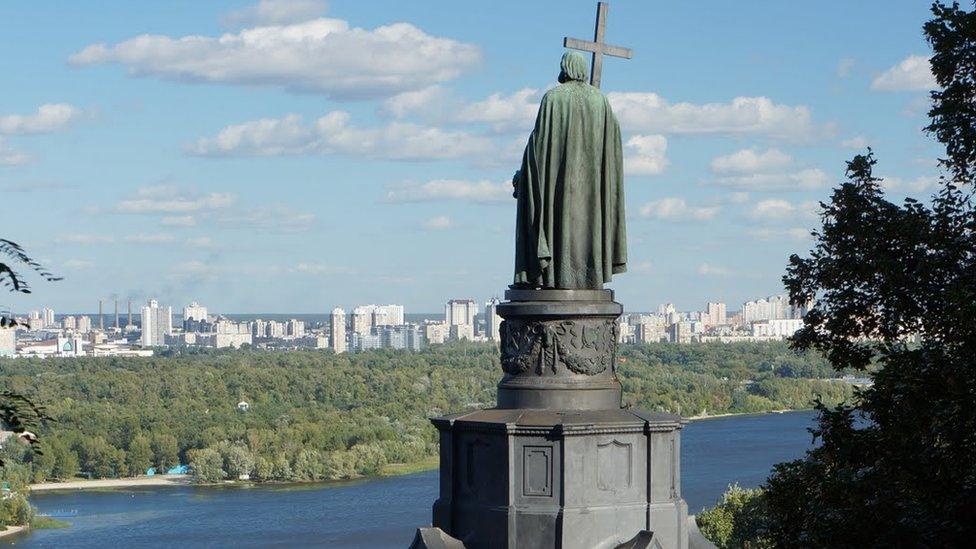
391 470
12 530
109 483
734 414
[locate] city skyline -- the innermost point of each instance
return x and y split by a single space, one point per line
204 173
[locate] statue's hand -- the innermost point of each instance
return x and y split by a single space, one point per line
515 179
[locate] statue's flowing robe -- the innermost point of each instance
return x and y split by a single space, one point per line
570 230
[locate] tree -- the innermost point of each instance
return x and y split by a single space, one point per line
139 456
18 412
166 451
896 296
207 465
238 460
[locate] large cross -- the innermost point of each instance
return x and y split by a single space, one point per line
597 47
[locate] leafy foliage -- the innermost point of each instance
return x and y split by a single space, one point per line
896 288
16 411
314 415
737 521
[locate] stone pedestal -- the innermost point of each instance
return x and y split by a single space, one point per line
558 462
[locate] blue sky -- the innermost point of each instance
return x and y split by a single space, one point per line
294 156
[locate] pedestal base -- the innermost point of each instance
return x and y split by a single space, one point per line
559 464
570 479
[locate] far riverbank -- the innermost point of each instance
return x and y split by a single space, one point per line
156 480
429 463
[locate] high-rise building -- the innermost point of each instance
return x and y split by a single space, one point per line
157 323
459 312
47 315
435 333
296 328
8 341
194 311
69 322
276 329
365 317
715 314
337 331
493 322
84 324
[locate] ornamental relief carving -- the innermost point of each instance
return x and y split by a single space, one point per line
582 346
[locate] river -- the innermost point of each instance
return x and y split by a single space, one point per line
377 513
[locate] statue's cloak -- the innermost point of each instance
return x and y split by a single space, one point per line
570 231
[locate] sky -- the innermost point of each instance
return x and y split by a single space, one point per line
293 156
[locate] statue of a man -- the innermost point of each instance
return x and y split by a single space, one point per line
570 231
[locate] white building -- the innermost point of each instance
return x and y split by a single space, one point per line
8 341
715 314
781 328
47 315
157 324
194 311
493 322
435 333
460 311
365 317
70 345
459 332
296 328
337 331
84 324
69 322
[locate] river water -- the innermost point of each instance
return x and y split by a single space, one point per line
378 513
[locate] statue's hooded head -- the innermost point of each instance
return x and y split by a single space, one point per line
572 67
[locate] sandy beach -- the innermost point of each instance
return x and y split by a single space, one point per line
11 530
158 480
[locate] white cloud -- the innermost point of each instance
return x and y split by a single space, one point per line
10 157
333 134
439 223
775 209
143 238
179 221
845 66
858 142
900 185
322 56
769 233
751 161
83 239
739 197
168 199
276 12
199 242
706 269
643 267
645 154
807 179
319 269
677 209
651 113
429 101
48 118
275 218
77 264
912 74
450 189
504 113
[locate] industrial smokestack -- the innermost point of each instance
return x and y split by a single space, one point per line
101 320
116 314
129 322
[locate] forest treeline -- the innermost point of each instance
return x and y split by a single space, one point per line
312 415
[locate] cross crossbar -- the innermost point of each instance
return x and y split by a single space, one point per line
597 46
